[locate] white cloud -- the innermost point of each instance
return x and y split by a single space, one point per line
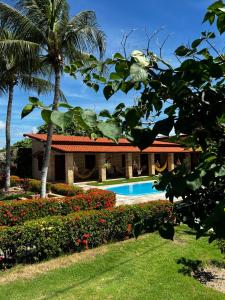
34 130
2 124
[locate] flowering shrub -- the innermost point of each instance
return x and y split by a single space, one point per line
16 212
52 236
16 181
34 185
65 189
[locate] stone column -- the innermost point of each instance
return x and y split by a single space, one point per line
171 165
151 164
188 160
69 168
101 167
129 166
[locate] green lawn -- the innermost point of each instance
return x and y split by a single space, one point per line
142 269
122 180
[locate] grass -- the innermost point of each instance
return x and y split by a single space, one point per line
123 180
142 269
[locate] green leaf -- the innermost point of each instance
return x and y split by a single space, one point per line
220 172
142 137
167 231
46 115
65 105
138 73
110 130
35 101
105 114
108 91
132 117
182 51
67 69
115 76
61 119
27 110
122 69
89 117
127 86
164 126
209 16
118 56
137 229
194 184
221 23
196 43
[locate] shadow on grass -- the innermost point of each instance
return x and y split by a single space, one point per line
194 268
85 281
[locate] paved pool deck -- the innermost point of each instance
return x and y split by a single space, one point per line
129 200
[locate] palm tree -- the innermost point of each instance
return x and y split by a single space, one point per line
60 40
16 70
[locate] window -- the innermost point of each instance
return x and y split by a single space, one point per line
90 161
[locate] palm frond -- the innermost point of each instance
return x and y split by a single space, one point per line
18 23
39 85
19 48
83 31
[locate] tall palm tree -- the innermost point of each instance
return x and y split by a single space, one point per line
60 39
17 70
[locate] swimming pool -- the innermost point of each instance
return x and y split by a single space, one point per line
135 189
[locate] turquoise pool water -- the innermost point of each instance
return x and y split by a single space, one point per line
136 189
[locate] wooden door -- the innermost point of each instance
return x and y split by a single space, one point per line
60 174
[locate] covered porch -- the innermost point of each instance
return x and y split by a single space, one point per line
74 167
75 159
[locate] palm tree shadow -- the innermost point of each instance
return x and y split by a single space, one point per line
91 277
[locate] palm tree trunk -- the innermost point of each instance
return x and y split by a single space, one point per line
8 137
47 151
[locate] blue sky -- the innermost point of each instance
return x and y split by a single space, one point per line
181 19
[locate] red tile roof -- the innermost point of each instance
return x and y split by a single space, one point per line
85 144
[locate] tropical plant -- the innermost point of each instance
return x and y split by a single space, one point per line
191 99
17 70
70 129
60 40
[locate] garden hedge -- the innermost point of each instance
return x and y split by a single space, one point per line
65 189
16 212
42 239
34 185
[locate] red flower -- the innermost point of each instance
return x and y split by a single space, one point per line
85 243
86 236
102 221
78 242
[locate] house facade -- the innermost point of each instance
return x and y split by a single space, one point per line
76 158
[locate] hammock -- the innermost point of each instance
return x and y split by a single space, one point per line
83 176
178 162
160 169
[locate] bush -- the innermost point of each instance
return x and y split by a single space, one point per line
221 244
52 236
34 185
5 197
16 181
16 212
65 189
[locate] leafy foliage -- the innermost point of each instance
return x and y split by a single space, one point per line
17 212
195 96
42 239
